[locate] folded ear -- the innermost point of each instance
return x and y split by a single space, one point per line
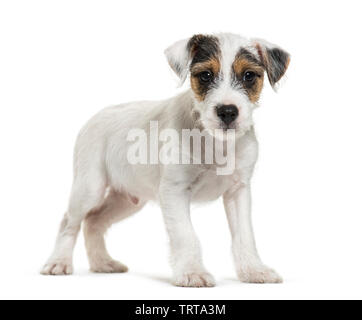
274 59
185 52
178 57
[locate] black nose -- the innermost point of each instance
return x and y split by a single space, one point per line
227 113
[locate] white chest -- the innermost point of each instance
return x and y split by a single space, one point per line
209 186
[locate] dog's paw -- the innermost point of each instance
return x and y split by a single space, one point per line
259 274
57 268
194 279
108 266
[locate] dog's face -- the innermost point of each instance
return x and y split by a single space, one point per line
226 74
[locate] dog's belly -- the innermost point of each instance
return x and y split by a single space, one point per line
141 181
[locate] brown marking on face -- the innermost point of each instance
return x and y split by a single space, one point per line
205 56
244 63
200 88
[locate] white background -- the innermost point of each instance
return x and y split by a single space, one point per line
62 61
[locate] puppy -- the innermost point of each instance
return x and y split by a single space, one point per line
226 73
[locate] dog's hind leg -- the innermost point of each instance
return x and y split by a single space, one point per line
87 194
116 207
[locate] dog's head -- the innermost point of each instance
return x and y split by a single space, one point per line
226 73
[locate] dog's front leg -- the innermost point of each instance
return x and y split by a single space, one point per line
248 265
186 258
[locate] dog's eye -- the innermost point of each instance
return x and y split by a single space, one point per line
206 76
249 76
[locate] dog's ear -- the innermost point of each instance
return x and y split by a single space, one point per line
181 53
274 59
179 57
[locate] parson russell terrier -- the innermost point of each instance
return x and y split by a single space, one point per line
226 72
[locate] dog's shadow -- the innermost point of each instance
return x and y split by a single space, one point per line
158 278
154 277
227 281
168 279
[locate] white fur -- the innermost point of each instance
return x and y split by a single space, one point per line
107 188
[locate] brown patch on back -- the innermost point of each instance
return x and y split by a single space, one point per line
242 64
